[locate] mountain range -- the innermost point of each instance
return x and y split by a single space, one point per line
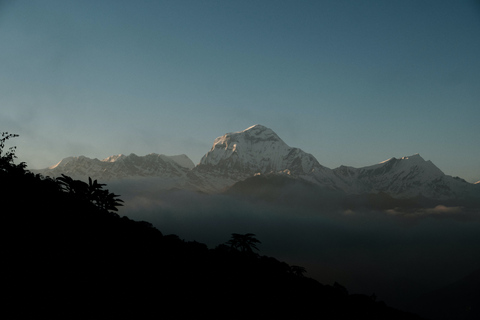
239 156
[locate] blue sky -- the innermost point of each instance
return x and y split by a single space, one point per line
351 82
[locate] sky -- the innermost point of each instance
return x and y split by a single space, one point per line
351 82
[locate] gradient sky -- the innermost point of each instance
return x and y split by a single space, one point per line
351 82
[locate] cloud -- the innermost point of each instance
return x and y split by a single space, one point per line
441 209
393 253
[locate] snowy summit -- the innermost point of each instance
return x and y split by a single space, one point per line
257 149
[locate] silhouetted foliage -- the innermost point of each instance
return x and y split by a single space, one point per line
243 242
92 192
64 255
298 271
7 157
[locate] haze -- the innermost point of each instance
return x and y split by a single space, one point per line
396 255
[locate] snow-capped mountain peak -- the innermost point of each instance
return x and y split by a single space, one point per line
114 158
256 149
121 166
405 177
409 163
67 162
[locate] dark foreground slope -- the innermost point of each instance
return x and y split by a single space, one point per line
64 256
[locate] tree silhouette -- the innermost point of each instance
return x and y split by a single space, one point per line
6 158
93 192
106 200
243 242
298 271
75 187
102 198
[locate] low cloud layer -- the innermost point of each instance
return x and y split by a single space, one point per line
392 253
439 209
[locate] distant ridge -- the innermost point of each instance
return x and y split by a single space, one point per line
121 166
256 150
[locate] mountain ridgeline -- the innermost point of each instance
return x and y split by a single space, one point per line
243 156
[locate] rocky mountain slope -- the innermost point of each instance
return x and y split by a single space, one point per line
121 166
257 150
405 177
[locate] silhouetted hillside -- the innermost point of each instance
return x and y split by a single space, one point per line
66 254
